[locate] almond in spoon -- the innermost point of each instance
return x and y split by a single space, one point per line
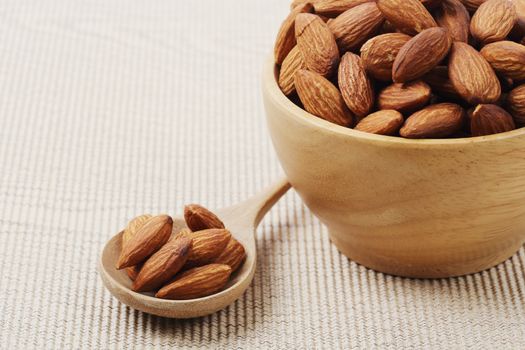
233 255
207 246
149 238
199 218
197 282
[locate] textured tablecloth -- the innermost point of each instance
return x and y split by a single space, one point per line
109 109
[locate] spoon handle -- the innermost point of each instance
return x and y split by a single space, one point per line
252 211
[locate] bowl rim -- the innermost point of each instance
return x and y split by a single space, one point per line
305 118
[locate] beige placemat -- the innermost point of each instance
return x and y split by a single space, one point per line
113 108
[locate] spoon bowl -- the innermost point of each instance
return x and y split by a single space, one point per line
242 221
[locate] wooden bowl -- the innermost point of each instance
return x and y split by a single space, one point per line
416 208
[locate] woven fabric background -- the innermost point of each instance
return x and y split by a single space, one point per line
113 108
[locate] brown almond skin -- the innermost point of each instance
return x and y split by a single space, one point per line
472 76
435 121
440 84
197 282
163 265
493 21
285 40
292 63
321 98
409 16
355 26
378 54
133 271
133 226
472 5
420 54
233 255
453 16
490 119
148 239
516 104
207 246
405 97
199 218
507 58
354 85
333 8
317 44
385 122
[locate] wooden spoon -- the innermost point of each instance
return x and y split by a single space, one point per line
241 220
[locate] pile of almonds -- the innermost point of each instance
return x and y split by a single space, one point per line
188 264
409 68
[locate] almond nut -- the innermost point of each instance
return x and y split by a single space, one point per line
291 64
207 246
493 21
453 16
420 54
472 76
333 8
233 255
321 98
516 104
199 218
355 86
405 98
507 58
317 44
490 119
385 122
163 265
436 121
197 282
378 54
129 232
409 16
148 239
355 26
286 36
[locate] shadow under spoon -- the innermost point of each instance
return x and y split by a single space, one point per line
241 219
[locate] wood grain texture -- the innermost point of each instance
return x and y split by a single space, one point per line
417 208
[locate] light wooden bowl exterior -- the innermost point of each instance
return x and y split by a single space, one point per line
416 208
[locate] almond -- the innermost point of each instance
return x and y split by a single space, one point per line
490 119
507 58
285 41
207 246
355 26
440 84
420 54
409 16
516 104
385 122
378 54
129 232
333 8
472 5
291 64
355 86
163 265
405 98
133 226
493 21
233 255
453 16
197 282
436 121
199 218
148 239
472 76
317 44
321 98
